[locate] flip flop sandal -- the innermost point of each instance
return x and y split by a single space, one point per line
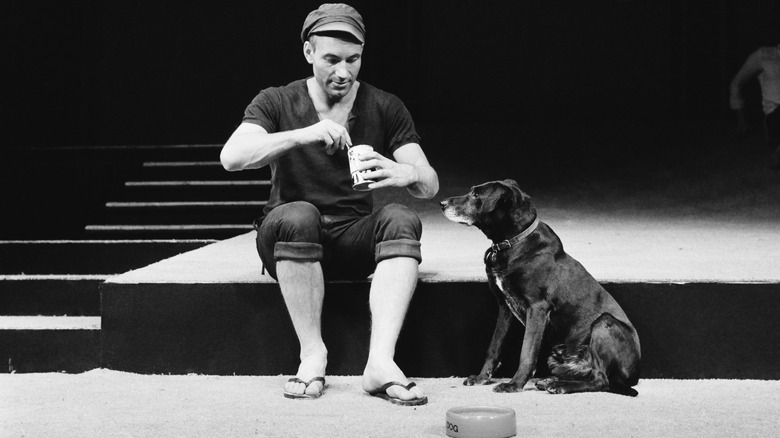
381 393
305 396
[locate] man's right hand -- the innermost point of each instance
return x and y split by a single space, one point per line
330 134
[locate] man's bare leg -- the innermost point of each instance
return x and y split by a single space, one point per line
391 291
303 289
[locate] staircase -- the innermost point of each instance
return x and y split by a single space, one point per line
83 215
184 197
50 317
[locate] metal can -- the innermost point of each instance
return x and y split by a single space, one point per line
359 182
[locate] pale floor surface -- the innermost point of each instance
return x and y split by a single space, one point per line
612 248
103 403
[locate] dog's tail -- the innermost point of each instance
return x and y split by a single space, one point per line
618 387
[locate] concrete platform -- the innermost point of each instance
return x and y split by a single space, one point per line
703 295
613 249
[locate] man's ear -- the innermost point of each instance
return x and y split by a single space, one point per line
308 52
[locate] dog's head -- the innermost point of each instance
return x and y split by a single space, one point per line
498 208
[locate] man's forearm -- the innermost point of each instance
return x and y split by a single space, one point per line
252 150
427 184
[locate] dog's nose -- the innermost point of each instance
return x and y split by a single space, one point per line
443 204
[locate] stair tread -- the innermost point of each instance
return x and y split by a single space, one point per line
50 323
144 204
198 183
182 164
66 277
171 227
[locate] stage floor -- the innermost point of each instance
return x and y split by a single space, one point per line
90 405
613 249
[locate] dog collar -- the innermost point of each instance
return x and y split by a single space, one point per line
492 252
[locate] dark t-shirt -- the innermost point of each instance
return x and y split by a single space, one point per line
378 119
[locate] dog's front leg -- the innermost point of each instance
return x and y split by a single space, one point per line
536 319
503 322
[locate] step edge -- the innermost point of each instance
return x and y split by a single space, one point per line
17 323
56 277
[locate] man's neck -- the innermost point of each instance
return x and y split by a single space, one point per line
325 103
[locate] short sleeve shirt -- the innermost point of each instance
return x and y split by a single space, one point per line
378 119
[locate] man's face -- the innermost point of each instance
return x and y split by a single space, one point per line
335 62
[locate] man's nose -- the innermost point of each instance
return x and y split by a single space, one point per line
341 70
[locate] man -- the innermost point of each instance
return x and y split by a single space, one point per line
765 63
315 225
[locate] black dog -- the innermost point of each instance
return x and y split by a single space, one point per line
570 321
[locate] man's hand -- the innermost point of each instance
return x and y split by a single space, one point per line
386 172
328 133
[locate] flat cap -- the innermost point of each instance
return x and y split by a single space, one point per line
334 17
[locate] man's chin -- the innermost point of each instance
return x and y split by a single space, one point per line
340 90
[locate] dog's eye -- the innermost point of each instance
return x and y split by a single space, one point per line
475 195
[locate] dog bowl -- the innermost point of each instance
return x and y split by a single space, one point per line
481 422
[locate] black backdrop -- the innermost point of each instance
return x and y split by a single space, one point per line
96 72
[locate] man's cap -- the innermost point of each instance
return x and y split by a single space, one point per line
334 17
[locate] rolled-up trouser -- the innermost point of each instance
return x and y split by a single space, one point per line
347 247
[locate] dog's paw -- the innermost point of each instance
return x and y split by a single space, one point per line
477 380
554 387
507 387
543 384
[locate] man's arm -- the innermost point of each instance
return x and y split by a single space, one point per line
411 170
251 146
750 68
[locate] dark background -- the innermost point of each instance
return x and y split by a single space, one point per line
90 72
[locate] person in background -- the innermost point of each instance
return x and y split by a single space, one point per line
765 64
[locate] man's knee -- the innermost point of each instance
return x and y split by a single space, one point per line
397 221
295 222
398 233
290 232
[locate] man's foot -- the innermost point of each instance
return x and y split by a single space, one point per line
381 392
309 382
305 394
389 382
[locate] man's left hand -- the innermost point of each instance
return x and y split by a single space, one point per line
386 172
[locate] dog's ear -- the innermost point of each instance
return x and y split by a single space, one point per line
501 195
519 200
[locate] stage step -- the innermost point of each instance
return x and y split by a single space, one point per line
224 190
211 311
50 309
41 344
204 193
31 295
68 257
179 212
184 199
68 188
181 231
692 331
198 170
